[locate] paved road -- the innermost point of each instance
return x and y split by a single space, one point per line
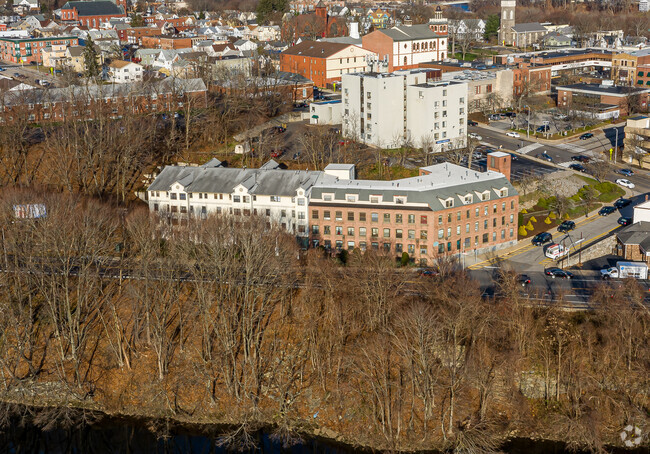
30 73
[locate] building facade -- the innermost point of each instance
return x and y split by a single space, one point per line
121 72
325 62
405 47
405 107
632 69
92 14
27 50
603 101
506 35
446 210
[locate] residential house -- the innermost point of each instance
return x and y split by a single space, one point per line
245 45
120 71
378 18
555 40
23 7
266 33
633 241
324 62
473 29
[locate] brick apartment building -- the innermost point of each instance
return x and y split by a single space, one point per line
447 209
632 68
114 100
27 50
325 62
602 101
92 13
134 35
527 79
170 42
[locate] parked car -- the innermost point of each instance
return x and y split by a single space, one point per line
512 134
472 123
428 272
16 74
543 128
557 272
626 183
581 158
606 211
542 238
278 129
277 153
2 69
577 167
473 135
586 135
523 280
511 114
560 117
494 117
624 221
622 203
566 226
626 172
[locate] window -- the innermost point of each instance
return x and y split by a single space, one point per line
173 196
350 231
485 238
411 219
386 218
441 233
441 248
362 217
400 200
301 201
339 215
338 230
485 195
423 249
458 216
494 222
374 199
327 197
477 211
268 212
283 213
503 193
362 231
326 215
399 248
423 234
314 229
503 206
448 232
350 215
362 245
457 230
398 233
423 219
449 203
476 226
485 224
351 198
275 198
350 245
398 219
411 234
386 233
374 217
467 228
494 208
236 199
301 215
512 218
374 232
503 234
411 248
314 214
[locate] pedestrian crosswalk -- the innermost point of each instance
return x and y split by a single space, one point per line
530 147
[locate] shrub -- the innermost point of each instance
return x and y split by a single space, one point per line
533 219
529 226
552 215
405 259
524 211
522 231
547 220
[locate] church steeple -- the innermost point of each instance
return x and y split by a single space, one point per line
506 36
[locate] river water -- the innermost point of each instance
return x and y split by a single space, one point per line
121 436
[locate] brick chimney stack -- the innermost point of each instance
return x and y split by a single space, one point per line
499 162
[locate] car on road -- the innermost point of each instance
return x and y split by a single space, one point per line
513 134
606 211
586 135
622 203
16 74
557 272
560 117
2 69
624 221
523 280
473 135
494 117
514 157
543 128
546 157
626 172
472 123
542 238
581 158
555 251
577 167
626 183
566 226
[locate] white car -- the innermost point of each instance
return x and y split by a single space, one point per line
513 134
627 183
473 135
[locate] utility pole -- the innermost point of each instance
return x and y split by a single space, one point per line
616 145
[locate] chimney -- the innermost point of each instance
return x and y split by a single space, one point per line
354 30
499 161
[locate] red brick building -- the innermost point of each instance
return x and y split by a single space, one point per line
324 62
603 101
92 13
446 210
314 25
528 79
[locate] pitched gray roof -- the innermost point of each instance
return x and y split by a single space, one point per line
445 181
637 233
222 180
410 32
94 8
530 27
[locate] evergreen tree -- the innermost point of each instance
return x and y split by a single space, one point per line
90 59
137 20
491 26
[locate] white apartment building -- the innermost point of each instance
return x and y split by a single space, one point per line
405 107
280 195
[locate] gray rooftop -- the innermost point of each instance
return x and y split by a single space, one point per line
94 8
410 32
603 89
638 233
530 27
268 180
445 181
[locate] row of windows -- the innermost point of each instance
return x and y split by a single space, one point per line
236 211
235 198
422 249
398 217
374 231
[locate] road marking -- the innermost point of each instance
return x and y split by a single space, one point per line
528 148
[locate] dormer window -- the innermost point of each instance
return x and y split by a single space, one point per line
467 199
449 203
485 196
328 197
351 198
375 199
400 200
503 192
